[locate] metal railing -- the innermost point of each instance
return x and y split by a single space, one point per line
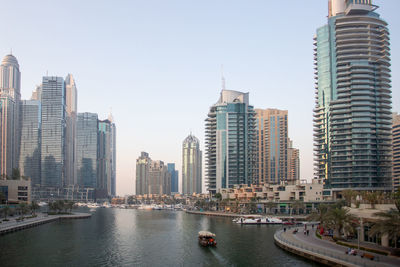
356 260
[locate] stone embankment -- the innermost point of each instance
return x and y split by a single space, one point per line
13 226
235 215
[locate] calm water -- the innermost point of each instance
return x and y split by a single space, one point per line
115 237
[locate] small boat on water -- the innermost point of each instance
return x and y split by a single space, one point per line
207 239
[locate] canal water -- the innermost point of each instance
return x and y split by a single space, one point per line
118 237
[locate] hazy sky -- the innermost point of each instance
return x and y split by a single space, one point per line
157 63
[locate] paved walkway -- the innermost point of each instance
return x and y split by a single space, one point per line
12 224
330 249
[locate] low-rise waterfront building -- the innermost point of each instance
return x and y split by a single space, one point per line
15 191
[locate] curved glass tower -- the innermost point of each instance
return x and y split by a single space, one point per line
10 98
352 117
191 165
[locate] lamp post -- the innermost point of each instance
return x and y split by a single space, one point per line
358 236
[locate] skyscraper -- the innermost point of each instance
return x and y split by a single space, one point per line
113 146
174 177
29 162
352 116
142 174
53 132
230 136
293 163
86 153
272 146
10 97
396 151
104 159
159 178
71 99
191 165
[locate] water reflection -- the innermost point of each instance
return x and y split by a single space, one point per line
114 237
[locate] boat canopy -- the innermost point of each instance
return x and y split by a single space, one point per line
206 234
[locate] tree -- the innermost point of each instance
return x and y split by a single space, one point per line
270 205
69 205
341 220
22 208
321 214
6 211
389 223
34 207
349 195
373 198
297 205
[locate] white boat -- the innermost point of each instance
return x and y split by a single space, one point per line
273 220
42 204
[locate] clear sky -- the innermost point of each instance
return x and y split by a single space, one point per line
157 63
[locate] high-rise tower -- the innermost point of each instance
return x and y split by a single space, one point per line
352 116
53 132
191 165
230 135
29 162
86 153
10 98
71 99
396 151
142 174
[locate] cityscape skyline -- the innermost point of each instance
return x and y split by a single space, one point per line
136 132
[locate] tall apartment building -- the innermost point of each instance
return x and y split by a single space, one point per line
396 151
87 153
352 116
159 178
230 136
142 174
272 162
104 159
10 98
29 161
53 132
191 165
71 102
174 177
293 163
113 147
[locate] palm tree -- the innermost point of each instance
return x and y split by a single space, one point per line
34 207
389 223
321 214
297 205
6 211
340 219
270 205
348 196
373 198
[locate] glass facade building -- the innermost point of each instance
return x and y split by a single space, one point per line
71 102
29 161
230 141
104 159
174 177
86 153
352 116
142 174
10 98
53 132
191 165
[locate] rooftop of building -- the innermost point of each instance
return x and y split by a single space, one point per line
10 60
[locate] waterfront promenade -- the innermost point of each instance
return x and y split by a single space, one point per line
326 252
235 215
12 225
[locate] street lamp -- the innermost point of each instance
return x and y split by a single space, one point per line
358 236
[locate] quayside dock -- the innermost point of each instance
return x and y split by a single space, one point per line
13 226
